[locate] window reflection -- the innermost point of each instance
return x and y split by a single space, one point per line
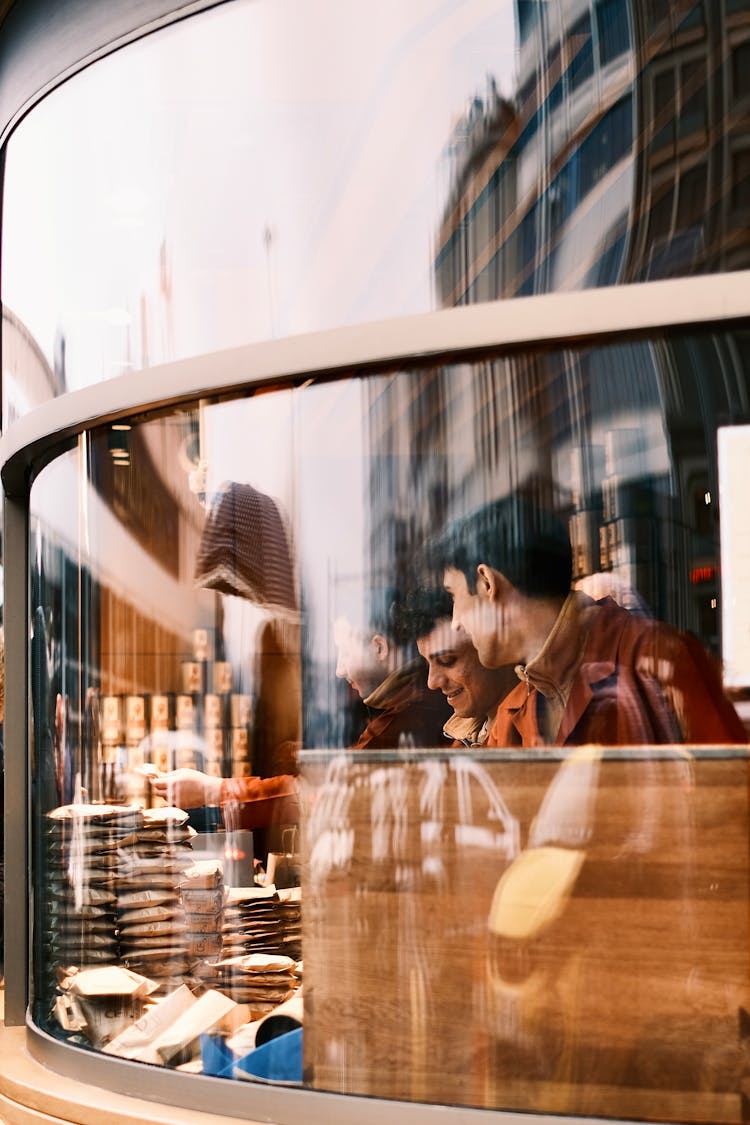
314 666
497 150
256 233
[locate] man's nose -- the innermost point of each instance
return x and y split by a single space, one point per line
435 679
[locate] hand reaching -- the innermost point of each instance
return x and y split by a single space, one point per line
187 789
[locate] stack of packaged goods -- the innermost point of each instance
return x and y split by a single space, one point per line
262 920
136 783
150 915
290 909
214 733
161 750
202 894
94 1005
241 718
260 981
79 908
186 741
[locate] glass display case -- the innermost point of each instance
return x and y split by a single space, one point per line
383 737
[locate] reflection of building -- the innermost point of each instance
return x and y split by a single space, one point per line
694 155
468 267
623 157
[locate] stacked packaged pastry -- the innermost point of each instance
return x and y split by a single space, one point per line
79 908
202 895
261 981
150 915
262 920
290 912
261 946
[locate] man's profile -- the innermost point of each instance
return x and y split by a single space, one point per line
588 671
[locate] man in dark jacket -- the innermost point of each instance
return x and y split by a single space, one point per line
381 664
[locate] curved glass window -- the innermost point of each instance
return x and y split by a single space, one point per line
266 169
390 733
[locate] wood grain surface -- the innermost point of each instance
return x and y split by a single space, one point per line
623 995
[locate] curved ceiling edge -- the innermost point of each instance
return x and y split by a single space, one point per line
545 320
43 45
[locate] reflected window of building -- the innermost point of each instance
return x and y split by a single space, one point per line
693 21
528 14
664 110
608 143
692 198
740 74
554 78
580 52
740 189
613 30
693 116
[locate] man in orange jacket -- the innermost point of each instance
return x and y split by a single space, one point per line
588 671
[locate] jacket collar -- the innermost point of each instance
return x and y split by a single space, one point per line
402 681
472 732
579 653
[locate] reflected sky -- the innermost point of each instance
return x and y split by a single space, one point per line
206 187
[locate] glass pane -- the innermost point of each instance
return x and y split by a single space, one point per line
694 94
209 182
248 174
580 52
400 721
612 29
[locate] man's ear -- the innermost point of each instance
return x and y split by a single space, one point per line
380 647
492 585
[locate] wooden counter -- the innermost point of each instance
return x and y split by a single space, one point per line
625 995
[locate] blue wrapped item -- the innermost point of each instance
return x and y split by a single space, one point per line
278 1060
218 1059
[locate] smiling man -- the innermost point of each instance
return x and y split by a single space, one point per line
472 691
453 665
589 671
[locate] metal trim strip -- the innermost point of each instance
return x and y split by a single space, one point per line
543 321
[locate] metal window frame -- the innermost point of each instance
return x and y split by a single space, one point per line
542 322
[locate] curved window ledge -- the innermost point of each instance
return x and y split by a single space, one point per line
543 320
38 1084
32 1093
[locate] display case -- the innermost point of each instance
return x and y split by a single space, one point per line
377 668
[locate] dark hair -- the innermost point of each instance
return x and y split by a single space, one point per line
378 609
526 542
418 611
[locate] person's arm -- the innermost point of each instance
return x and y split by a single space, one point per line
259 802
187 789
690 679
246 802
707 714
